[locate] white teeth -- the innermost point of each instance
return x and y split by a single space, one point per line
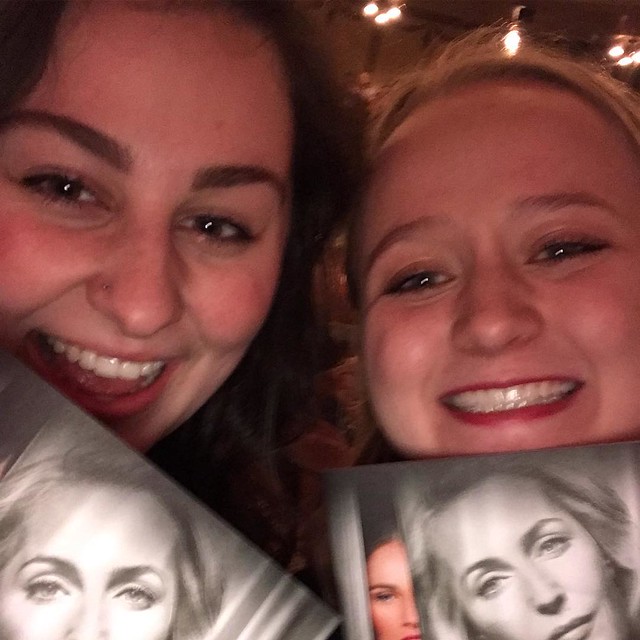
106 367
508 398
88 360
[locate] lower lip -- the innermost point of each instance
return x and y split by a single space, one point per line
103 406
495 418
581 632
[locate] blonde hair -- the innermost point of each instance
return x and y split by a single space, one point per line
479 57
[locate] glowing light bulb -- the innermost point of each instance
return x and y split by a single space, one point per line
370 9
382 18
635 56
616 51
511 41
394 13
625 62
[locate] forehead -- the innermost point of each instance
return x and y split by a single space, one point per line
496 102
488 144
189 77
388 564
492 120
91 524
491 519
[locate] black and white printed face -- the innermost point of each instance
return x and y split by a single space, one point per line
523 568
97 564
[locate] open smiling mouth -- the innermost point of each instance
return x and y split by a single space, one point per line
519 396
92 372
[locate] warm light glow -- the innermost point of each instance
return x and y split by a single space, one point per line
635 56
394 13
512 41
625 62
616 51
382 18
370 9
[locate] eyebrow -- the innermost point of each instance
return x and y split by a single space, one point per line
533 534
120 156
90 139
381 585
560 200
524 206
58 565
127 574
239 175
486 564
399 233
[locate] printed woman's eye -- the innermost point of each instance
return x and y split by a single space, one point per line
60 187
382 595
551 546
136 597
417 281
558 251
219 229
43 590
491 585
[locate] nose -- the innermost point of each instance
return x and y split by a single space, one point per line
495 311
137 286
543 593
88 623
410 613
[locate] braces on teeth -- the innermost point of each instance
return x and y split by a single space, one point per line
518 397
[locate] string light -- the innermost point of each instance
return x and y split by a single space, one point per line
392 13
616 51
511 41
370 9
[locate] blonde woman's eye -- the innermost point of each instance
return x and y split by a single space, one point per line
565 250
491 586
219 229
137 597
416 282
45 590
60 187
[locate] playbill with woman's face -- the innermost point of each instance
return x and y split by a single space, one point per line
96 543
528 546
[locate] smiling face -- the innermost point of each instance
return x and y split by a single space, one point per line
92 565
522 567
393 609
144 211
499 265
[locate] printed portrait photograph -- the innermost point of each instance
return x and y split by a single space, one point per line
95 542
530 546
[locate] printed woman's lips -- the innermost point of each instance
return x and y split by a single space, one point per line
576 629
